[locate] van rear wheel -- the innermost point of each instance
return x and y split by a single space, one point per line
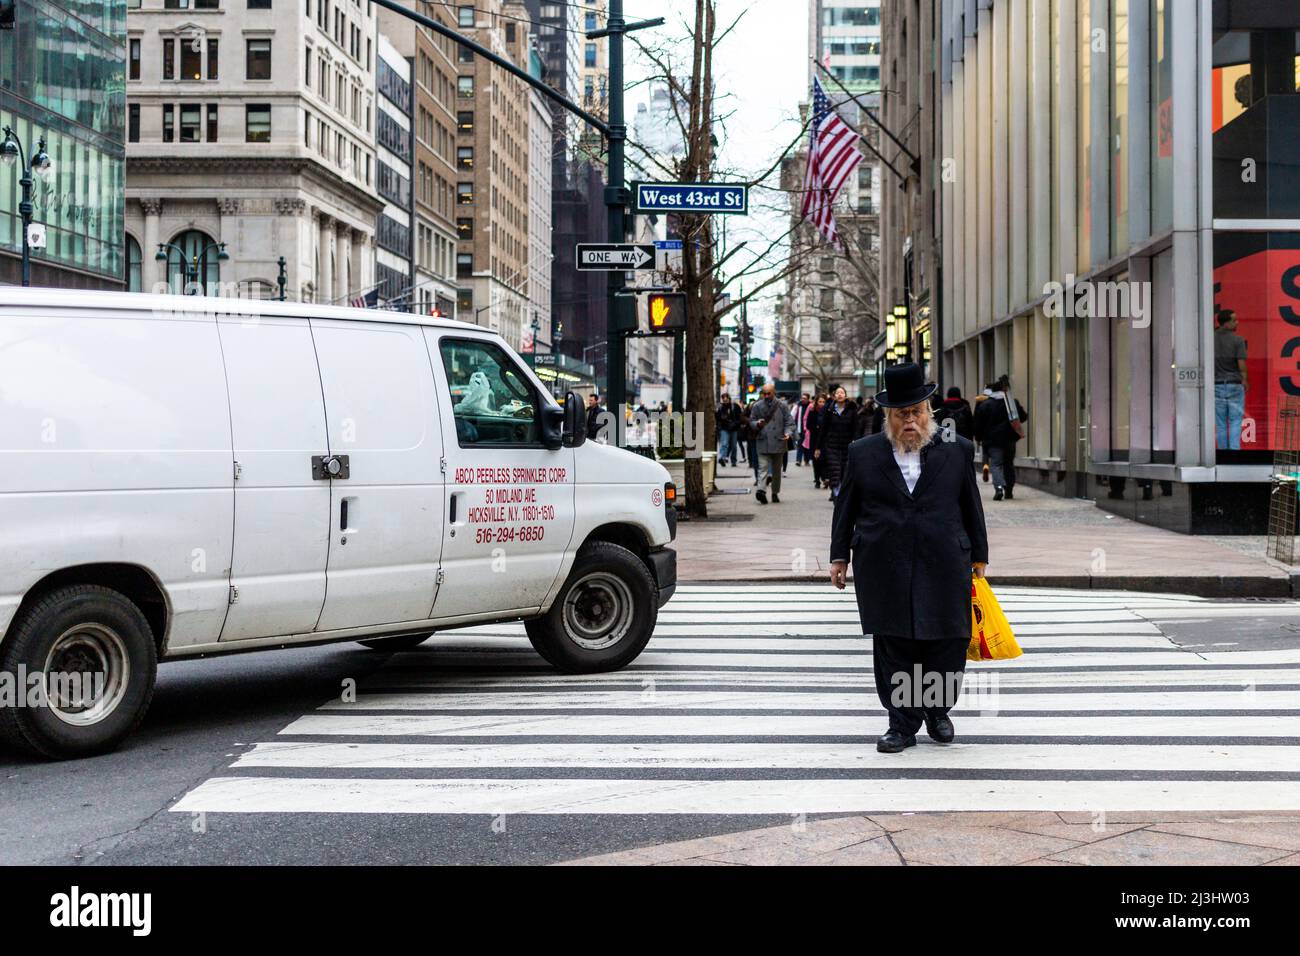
603 616
83 663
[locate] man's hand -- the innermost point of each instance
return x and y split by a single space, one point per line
978 569
839 573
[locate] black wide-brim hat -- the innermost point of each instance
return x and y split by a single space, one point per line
905 385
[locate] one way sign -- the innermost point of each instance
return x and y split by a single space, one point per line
593 257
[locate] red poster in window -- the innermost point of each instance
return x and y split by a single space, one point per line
1263 288
1166 128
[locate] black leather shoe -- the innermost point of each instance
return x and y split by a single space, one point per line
1010 496
893 741
997 493
776 499
761 495
940 729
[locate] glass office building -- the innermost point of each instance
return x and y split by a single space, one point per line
63 76
1115 173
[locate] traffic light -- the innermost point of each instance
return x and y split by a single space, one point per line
667 311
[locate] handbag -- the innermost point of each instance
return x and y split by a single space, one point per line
990 631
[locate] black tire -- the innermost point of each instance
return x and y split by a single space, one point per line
604 615
403 642
90 625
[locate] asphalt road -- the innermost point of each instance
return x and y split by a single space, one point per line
210 715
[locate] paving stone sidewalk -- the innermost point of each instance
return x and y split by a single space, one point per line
996 838
1039 539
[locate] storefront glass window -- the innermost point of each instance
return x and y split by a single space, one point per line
1119 240
1084 113
1257 277
1255 110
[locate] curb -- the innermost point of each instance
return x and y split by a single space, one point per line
1210 586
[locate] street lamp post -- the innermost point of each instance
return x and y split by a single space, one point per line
192 265
281 280
12 154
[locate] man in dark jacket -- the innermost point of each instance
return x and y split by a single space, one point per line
957 410
998 426
909 515
728 417
594 411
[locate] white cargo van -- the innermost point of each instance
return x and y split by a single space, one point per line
184 476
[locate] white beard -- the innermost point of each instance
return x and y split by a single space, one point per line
909 443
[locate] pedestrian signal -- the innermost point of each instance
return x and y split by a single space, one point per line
667 311
7 13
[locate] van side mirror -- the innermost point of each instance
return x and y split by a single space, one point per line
554 422
575 421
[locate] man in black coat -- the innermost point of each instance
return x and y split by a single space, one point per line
909 512
999 424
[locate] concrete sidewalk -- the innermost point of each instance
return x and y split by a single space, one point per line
1035 838
1039 540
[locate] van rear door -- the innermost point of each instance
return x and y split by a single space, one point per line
387 504
282 515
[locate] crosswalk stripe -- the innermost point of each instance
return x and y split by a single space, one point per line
639 726
760 700
865 699
467 795
787 756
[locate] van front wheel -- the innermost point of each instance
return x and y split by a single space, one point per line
83 662
603 616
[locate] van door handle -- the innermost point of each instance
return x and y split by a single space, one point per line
451 515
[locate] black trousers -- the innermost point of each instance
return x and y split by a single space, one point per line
909 693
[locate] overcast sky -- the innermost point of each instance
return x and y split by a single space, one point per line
762 64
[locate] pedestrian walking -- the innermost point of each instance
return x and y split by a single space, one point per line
773 425
999 425
957 410
838 427
728 418
867 420
751 445
815 416
802 452
909 517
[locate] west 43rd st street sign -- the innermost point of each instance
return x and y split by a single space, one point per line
692 197
615 258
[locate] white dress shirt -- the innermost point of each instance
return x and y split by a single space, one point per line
909 463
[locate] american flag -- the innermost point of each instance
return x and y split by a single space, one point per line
367 301
833 154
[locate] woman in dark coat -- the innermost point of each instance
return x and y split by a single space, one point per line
838 428
813 423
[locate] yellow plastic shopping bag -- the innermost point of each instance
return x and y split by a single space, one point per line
990 631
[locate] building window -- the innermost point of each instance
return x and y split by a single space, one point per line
212 122
464 265
133 123
590 54
465 228
257 123
465 87
465 194
191 59
465 121
134 276
510 33
259 59
191 121
266 5
169 60
199 263
168 123
464 157
214 61
464 54
191 4
134 73
465 16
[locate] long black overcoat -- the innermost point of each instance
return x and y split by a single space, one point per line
912 553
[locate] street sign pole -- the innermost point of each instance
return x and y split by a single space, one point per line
616 202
